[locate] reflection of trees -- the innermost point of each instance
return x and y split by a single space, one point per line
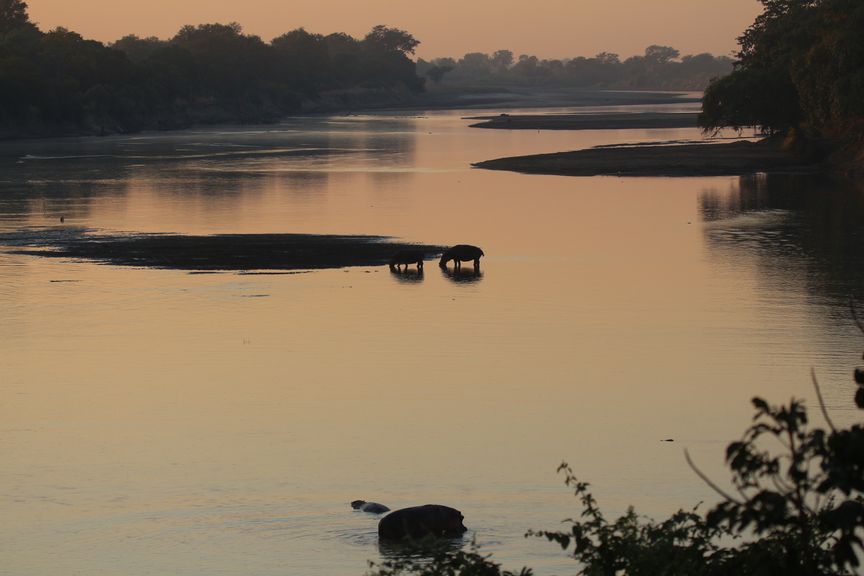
51 191
793 225
219 171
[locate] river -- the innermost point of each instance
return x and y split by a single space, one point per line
163 422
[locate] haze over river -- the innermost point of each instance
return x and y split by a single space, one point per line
160 422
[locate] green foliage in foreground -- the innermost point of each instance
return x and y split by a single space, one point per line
798 511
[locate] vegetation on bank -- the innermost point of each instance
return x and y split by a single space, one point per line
800 71
796 509
659 68
57 82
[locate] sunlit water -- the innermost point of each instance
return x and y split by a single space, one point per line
160 422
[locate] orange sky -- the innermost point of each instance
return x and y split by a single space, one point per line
547 28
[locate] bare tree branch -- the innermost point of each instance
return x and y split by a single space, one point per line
707 480
819 395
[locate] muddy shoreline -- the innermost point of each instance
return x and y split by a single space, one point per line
224 252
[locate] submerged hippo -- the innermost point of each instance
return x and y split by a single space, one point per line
421 521
372 507
461 253
406 258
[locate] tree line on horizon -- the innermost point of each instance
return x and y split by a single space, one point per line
658 68
57 82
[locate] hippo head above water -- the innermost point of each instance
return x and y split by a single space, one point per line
372 507
420 522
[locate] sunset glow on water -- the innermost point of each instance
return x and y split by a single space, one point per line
157 421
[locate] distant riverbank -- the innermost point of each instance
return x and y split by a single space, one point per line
606 121
730 159
368 100
508 97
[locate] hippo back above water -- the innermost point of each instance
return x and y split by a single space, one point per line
421 521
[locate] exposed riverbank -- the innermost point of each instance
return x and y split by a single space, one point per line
214 253
736 158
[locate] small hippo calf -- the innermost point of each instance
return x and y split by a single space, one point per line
372 507
406 258
421 521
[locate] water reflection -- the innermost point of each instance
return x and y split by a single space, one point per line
797 228
211 172
254 402
52 199
424 549
466 275
407 276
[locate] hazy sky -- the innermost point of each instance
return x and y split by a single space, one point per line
546 28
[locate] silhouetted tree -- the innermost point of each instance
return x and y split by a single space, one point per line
608 58
660 54
345 65
391 40
385 58
502 60
138 49
801 66
302 59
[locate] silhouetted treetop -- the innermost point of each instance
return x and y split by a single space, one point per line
138 49
661 54
660 67
13 14
391 40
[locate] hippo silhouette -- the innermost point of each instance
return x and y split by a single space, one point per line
406 258
372 507
461 253
421 521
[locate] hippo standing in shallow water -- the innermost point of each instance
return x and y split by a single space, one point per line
406 258
371 507
421 521
461 253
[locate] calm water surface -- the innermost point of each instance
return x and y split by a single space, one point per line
161 422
